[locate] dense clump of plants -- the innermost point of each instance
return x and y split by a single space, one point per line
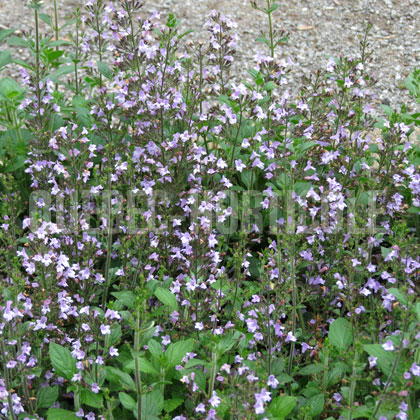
177 244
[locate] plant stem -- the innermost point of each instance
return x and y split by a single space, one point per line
270 22
38 93
353 386
294 304
212 373
136 364
391 374
109 243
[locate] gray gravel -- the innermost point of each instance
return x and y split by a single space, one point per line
317 30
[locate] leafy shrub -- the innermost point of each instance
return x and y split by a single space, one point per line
182 245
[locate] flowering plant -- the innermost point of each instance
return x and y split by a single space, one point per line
184 244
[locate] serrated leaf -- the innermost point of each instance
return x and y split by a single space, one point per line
177 351
311 369
5 58
58 43
5 33
45 18
399 295
104 70
269 86
128 298
144 365
60 414
151 406
417 309
128 402
172 404
357 413
61 71
91 399
17 41
62 361
46 396
167 298
316 404
273 7
340 334
155 348
282 406
118 376
385 359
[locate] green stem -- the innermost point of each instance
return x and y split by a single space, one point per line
7 382
391 374
294 304
37 54
212 374
109 244
353 386
271 29
136 364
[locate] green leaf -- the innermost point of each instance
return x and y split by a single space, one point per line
105 70
316 404
340 334
91 399
385 358
155 348
128 402
61 71
144 365
256 75
60 414
62 361
399 295
10 89
311 369
357 413
5 33
118 376
273 7
269 86
128 298
46 396
177 351
167 298
5 58
151 406
17 41
282 406
264 40
171 405
58 43
115 335
45 18
417 309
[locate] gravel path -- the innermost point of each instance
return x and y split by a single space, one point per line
317 29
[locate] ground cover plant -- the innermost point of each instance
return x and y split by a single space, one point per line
178 244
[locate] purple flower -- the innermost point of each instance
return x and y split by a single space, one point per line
260 399
272 381
290 337
214 400
415 369
105 329
200 408
372 361
95 388
113 351
388 345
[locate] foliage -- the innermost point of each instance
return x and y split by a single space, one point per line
182 245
